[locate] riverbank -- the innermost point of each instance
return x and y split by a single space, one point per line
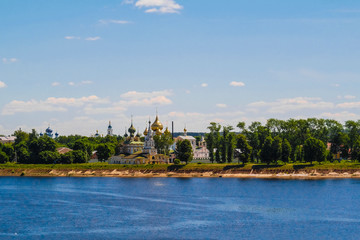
288 171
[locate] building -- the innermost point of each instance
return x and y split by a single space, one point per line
49 133
110 130
9 139
200 150
135 151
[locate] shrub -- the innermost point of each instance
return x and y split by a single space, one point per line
177 161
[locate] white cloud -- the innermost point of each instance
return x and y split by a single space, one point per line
9 60
71 37
134 98
290 104
349 97
2 84
159 6
71 83
237 84
204 85
90 110
55 84
86 82
51 104
92 38
103 21
30 106
349 105
221 105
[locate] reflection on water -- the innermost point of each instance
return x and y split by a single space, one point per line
170 208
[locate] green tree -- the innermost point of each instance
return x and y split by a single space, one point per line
266 153
48 157
355 152
276 148
3 157
79 156
67 158
244 148
163 143
84 145
215 145
299 154
8 149
210 143
231 146
285 151
184 151
104 151
314 150
22 153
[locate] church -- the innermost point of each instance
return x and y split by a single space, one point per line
135 151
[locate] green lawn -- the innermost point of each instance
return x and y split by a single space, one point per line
188 167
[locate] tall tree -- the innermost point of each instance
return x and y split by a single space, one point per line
243 148
184 151
267 151
231 146
216 144
276 148
104 151
314 150
285 151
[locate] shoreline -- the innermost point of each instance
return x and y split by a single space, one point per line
301 175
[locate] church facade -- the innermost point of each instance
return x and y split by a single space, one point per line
135 151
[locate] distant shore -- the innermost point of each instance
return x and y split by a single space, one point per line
186 171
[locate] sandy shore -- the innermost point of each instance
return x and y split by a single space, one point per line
313 174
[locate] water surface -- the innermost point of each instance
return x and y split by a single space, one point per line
178 208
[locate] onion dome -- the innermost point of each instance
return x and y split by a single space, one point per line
97 134
146 132
157 125
158 132
167 131
132 130
109 125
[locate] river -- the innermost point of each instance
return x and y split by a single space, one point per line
178 208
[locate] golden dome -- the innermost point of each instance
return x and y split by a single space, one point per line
158 132
167 131
157 125
146 132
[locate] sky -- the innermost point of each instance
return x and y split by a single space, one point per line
76 65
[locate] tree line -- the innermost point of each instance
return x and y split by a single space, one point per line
293 140
30 148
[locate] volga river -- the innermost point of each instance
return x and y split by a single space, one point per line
178 208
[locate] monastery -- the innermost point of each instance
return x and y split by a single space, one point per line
134 151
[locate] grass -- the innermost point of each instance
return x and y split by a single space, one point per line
188 167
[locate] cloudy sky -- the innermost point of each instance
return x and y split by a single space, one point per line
78 64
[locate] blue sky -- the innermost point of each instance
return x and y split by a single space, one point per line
78 64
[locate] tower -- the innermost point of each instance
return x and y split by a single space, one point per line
149 145
110 130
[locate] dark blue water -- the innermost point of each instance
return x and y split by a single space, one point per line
171 208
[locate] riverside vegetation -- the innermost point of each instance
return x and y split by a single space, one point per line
284 145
